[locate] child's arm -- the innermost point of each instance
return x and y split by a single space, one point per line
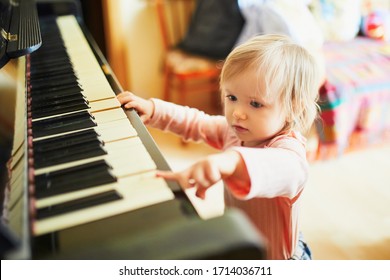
189 123
228 166
145 108
249 172
277 171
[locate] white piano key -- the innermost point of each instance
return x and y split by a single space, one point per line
87 68
116 130
137 192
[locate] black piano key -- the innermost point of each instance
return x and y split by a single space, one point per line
52 38
61 103
59 109
49 50
42 73
52 73
71 81
62 124
78 204
57 177
50 94
54 90
67 140
73 179
44 64
49 57
74 183
81 151
48 47
52 79
46 68
39 103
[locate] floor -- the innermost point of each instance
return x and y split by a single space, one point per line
345 209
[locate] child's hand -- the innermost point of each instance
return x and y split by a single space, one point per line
206 172
145 108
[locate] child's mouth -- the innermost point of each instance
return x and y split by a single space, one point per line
239 129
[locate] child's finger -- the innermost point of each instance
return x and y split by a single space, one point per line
169 175
178 177
201 192
144 118
131 104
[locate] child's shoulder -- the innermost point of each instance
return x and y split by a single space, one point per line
292 140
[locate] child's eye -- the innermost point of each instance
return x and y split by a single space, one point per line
255 104
231 97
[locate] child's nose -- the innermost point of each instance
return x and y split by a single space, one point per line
239 114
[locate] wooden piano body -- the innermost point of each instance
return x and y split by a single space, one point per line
81 176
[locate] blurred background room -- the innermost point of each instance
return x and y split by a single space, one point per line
345 211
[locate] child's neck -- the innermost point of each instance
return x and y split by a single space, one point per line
264 142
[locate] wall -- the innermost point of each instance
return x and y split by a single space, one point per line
134 45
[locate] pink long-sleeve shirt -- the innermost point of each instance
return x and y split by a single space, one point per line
277 171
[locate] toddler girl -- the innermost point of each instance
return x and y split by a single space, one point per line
269 85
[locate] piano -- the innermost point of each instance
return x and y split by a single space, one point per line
82 179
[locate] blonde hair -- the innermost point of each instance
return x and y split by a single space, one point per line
289 72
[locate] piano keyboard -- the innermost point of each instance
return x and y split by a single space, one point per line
85 159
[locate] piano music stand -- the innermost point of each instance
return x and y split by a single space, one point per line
19 29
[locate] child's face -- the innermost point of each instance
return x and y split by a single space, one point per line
253 118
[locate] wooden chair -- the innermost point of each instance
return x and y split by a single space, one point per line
184 73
